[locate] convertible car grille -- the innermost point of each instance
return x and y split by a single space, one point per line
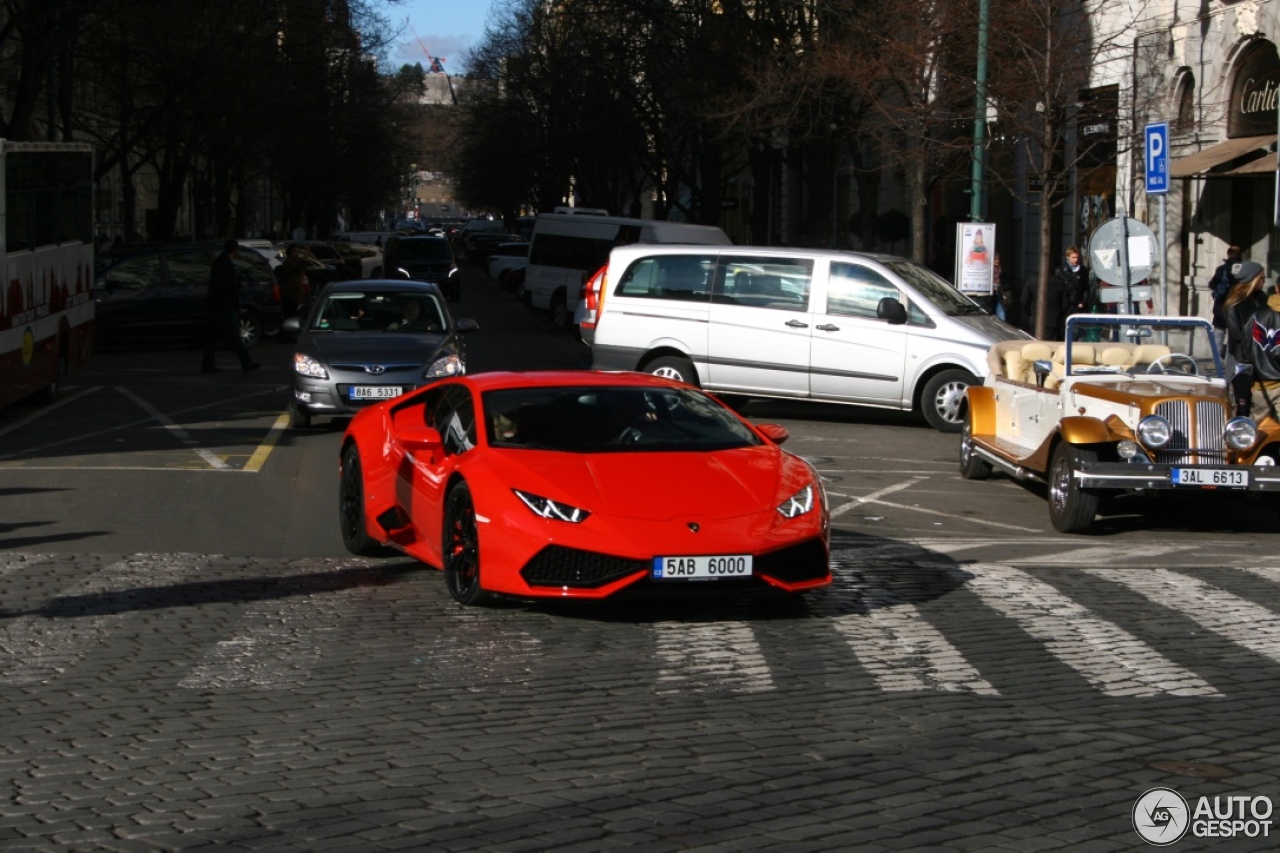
556 565
1197 433
804 562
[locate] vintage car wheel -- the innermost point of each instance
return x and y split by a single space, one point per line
673 367
351 507
1071 508
460 548
942 399
972 467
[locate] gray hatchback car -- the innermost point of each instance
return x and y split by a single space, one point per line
367 341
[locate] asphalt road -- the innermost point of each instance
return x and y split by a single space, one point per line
189 658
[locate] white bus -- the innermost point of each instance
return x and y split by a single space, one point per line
568 247
46 265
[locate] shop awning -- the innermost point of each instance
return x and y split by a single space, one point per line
1264 165
1202 162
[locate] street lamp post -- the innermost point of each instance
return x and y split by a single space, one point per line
980 112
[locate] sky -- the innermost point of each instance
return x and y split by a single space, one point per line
447 29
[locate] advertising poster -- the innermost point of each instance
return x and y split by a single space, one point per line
975 258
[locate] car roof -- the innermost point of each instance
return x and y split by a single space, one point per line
381 285
504 379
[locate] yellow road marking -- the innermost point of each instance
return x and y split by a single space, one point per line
259 457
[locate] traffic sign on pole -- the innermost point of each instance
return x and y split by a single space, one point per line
1157 157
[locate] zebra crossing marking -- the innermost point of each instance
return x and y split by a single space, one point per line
710 656
1253 626
1109 657
906 653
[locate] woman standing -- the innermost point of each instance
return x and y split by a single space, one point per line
1245 297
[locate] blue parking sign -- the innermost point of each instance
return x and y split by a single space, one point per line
1157 156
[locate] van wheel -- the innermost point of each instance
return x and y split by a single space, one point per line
560 316
250 329
942 400
673 367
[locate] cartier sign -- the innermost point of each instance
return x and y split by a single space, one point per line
1255 93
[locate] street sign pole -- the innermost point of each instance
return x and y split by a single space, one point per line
1157 161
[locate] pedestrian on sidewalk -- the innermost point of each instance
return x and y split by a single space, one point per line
223 311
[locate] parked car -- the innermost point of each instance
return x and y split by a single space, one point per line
158 293
505 259
812 324
266 248
358 345
423 259
462 239
360 260
574 484
483 245
1144 406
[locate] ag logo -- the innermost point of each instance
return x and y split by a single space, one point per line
1161 816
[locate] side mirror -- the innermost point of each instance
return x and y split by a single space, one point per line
892 310
420 440
291 325
465 324
776 433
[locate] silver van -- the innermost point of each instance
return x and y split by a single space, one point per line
834 326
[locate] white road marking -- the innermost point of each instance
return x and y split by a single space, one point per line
871 498
37 647
905 653
44 410
1101 554
1110 658
178 432
714 656
1253 626
874 498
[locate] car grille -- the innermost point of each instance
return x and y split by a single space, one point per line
804 562
386 368
556 565
1197 433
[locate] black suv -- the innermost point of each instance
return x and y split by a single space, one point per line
158 293
423 259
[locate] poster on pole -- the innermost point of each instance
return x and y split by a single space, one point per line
975 258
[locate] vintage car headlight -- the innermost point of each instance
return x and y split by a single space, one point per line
1128 450
1240 433
305 365
450 365
547 508
1154 431
798 504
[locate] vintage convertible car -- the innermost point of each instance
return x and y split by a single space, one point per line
1127 403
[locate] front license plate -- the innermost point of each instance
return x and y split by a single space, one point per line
375 392
701 568
1228 478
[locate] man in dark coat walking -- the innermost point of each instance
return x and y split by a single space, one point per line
1055 308
223 306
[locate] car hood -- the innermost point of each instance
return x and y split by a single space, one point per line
992 327
375 346
652 486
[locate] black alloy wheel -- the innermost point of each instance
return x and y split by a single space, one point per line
351 518
460 548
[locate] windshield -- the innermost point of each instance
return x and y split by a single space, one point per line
607 419
424 250
379 312
1172 347
935 289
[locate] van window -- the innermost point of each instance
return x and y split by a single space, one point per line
764 282
856 291
683 277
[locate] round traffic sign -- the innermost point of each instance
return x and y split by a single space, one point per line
1105 255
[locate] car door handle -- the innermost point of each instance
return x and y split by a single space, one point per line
797 324
827 327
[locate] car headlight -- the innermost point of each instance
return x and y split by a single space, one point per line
798 504
305 365
450 365
1240 433
547 508
1154 431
